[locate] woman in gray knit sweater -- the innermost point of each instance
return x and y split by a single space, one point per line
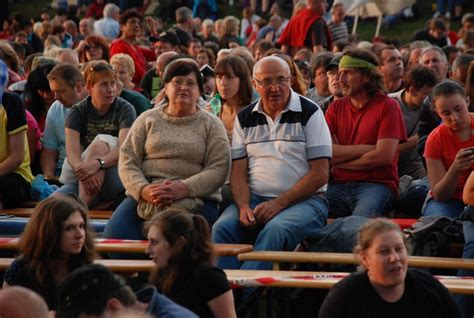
176 155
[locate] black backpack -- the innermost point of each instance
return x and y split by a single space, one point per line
433 235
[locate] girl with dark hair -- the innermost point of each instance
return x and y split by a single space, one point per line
386 287
180 246
56 240
37 95
234 90
449 151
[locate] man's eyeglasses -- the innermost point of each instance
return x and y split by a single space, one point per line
332 73
269 82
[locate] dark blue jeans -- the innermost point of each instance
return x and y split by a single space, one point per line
451 208
283 232
127 225
359 198
466 303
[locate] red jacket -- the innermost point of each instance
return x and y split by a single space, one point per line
139 55
295 32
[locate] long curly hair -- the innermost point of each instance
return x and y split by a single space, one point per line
189 238
40 243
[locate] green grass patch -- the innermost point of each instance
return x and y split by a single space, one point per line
401 31
29 8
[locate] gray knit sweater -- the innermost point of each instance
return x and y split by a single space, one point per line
194 149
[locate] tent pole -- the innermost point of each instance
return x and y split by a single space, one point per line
354 28
379 24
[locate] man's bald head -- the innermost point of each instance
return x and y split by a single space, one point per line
267 63
272 81
163 60
19 302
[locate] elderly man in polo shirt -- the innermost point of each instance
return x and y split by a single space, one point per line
281 149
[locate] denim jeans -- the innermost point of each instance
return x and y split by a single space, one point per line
126 224
411 201
466 303
450 208
453 208
441 5
283 232
111 188
359 198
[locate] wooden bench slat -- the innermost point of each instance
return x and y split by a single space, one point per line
347 258
130 246
296 279
222 249
271 278
26 212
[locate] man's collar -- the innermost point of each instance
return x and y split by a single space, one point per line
294 104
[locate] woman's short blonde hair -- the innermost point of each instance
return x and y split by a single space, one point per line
124 60
51 41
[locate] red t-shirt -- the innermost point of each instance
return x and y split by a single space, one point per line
381 118
443 144
95 11
138 54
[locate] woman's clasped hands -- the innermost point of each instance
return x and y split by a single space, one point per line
165 193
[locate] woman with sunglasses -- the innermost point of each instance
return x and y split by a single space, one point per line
93 48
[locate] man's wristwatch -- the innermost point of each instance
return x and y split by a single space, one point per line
102 163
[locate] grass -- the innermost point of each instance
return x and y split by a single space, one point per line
29 8
366 29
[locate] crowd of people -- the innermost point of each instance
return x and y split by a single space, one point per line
220 130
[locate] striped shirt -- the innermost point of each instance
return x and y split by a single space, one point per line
278 150
338 31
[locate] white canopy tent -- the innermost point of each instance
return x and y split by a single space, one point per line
373 8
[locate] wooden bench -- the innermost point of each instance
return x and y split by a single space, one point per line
26 212
251 278
296 279
402 222
132 246
277 257
106 214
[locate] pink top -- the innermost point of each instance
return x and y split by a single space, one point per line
33 125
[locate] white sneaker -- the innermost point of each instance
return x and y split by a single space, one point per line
437 14
448 15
